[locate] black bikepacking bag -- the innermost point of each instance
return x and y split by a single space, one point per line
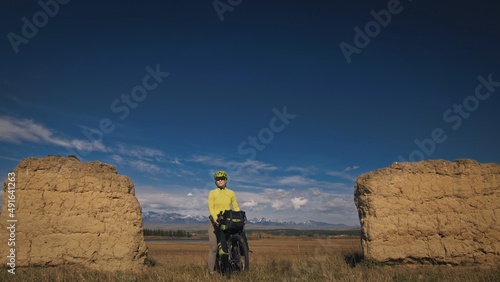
233 221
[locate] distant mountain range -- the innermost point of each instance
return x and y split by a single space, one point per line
151 217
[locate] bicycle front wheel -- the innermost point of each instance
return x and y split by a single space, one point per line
238 253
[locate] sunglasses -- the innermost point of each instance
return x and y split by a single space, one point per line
220 178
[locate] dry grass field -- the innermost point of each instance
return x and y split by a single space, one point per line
272 259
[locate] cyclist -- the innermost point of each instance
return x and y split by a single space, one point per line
219 200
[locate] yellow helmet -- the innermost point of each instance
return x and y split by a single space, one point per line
220 173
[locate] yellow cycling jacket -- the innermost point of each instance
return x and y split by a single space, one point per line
221 200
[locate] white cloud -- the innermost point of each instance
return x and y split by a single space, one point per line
15 130
139 165
250 167
277 199
118 159
156 199
183 172
298 202
9 159
341 174
279 205
253 166
139 152
294 181
145 167
351 168
189 194
250 204
139 158
176 161
336 204
344 174
204 160
314 192
277 193
303 170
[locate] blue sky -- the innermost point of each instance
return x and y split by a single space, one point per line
294 99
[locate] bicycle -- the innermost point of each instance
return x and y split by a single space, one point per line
237 245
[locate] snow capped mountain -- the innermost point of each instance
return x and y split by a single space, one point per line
166 218
274 222
266 221
151 217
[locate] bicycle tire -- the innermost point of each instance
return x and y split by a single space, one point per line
238 253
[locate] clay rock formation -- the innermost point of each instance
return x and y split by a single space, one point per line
73 212
431 212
